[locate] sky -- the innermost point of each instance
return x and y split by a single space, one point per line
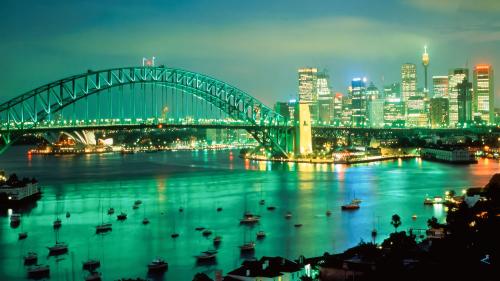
256 46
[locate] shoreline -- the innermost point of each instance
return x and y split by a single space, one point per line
331 161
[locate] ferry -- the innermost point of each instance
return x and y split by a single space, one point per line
15 191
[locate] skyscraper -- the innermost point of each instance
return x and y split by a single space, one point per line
425 63
394 113
455 77
484 93
359 106
376 113
464 100
440 87
439 108
308 93
408 81
337 109
392 91
325 99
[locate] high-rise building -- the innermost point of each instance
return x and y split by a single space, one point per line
484 93
337 109
464 100
359 106
392 91
325 99
439 108
425 63
372 92
376 113
440 87
347 111
394 113
286 109
416 115
408 81
455 77
308 93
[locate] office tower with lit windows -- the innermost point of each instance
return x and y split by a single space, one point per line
439 109
325 99
359 105
416 115
484 93
440 87
372 92
392 91
408 81
308 93
464 100
455 78
425 63
394 113
337 109
347 111
376 113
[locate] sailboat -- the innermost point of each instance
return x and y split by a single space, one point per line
103 227
247 246
59 248
248 217
174 234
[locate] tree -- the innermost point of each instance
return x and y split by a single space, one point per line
432 223
396 221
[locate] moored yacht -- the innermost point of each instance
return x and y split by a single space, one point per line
58 249
247 247
122 216
158 265
205 256
207 232
249 218
39 271
288 215
23 235
217 240
103 227
15 219
350 206
261 234
91 264
57 223
30 258
111 211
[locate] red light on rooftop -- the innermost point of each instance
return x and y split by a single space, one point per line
483 66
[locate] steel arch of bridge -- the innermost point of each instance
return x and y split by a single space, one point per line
26 111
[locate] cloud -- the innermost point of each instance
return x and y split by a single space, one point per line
453 6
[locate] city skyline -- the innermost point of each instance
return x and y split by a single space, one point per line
55 40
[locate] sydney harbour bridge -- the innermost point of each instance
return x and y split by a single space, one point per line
157 97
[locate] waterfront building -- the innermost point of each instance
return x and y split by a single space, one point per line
448 154
268 268
308 93
376 113
439 108
484 93
455 77
359 102
303 137
394 110
440 87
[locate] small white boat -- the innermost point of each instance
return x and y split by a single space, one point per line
58 249
414 217
91 264
288 215
30 258
39 271
57 223
157 265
